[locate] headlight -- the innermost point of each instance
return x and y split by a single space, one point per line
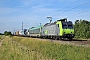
64 32
72 35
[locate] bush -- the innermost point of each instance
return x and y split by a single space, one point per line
7 33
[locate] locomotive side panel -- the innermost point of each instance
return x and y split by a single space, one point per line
50 30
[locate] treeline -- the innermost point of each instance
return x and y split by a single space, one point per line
1 34
6 33
82 29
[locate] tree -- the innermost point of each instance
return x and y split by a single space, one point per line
1 34
82 29
6 33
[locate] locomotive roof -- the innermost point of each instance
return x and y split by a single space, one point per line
47 24
63 20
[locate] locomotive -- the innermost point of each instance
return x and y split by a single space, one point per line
58 30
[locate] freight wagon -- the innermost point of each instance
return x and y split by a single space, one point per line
35 31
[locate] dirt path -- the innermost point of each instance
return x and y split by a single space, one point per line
1 43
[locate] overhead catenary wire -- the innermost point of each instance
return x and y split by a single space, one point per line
65 6
73 8
85 3
79 13
68 5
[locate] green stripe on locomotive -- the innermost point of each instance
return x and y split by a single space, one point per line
46 32
38 27
64 31
35 30
60 27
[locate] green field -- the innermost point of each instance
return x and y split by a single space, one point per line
20 48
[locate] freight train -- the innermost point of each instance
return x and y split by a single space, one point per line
60 29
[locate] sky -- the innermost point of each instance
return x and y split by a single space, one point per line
34 12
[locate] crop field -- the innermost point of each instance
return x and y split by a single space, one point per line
21 48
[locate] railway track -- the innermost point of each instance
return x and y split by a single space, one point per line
84 43
76 42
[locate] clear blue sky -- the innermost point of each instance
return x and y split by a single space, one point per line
34 12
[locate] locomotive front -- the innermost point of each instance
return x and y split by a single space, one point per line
66 29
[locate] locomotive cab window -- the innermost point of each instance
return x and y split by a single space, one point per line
64 25
70 25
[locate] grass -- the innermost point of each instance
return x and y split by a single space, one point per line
12 51
40 50
54 50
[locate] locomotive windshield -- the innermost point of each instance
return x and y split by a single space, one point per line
66 25
70 25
